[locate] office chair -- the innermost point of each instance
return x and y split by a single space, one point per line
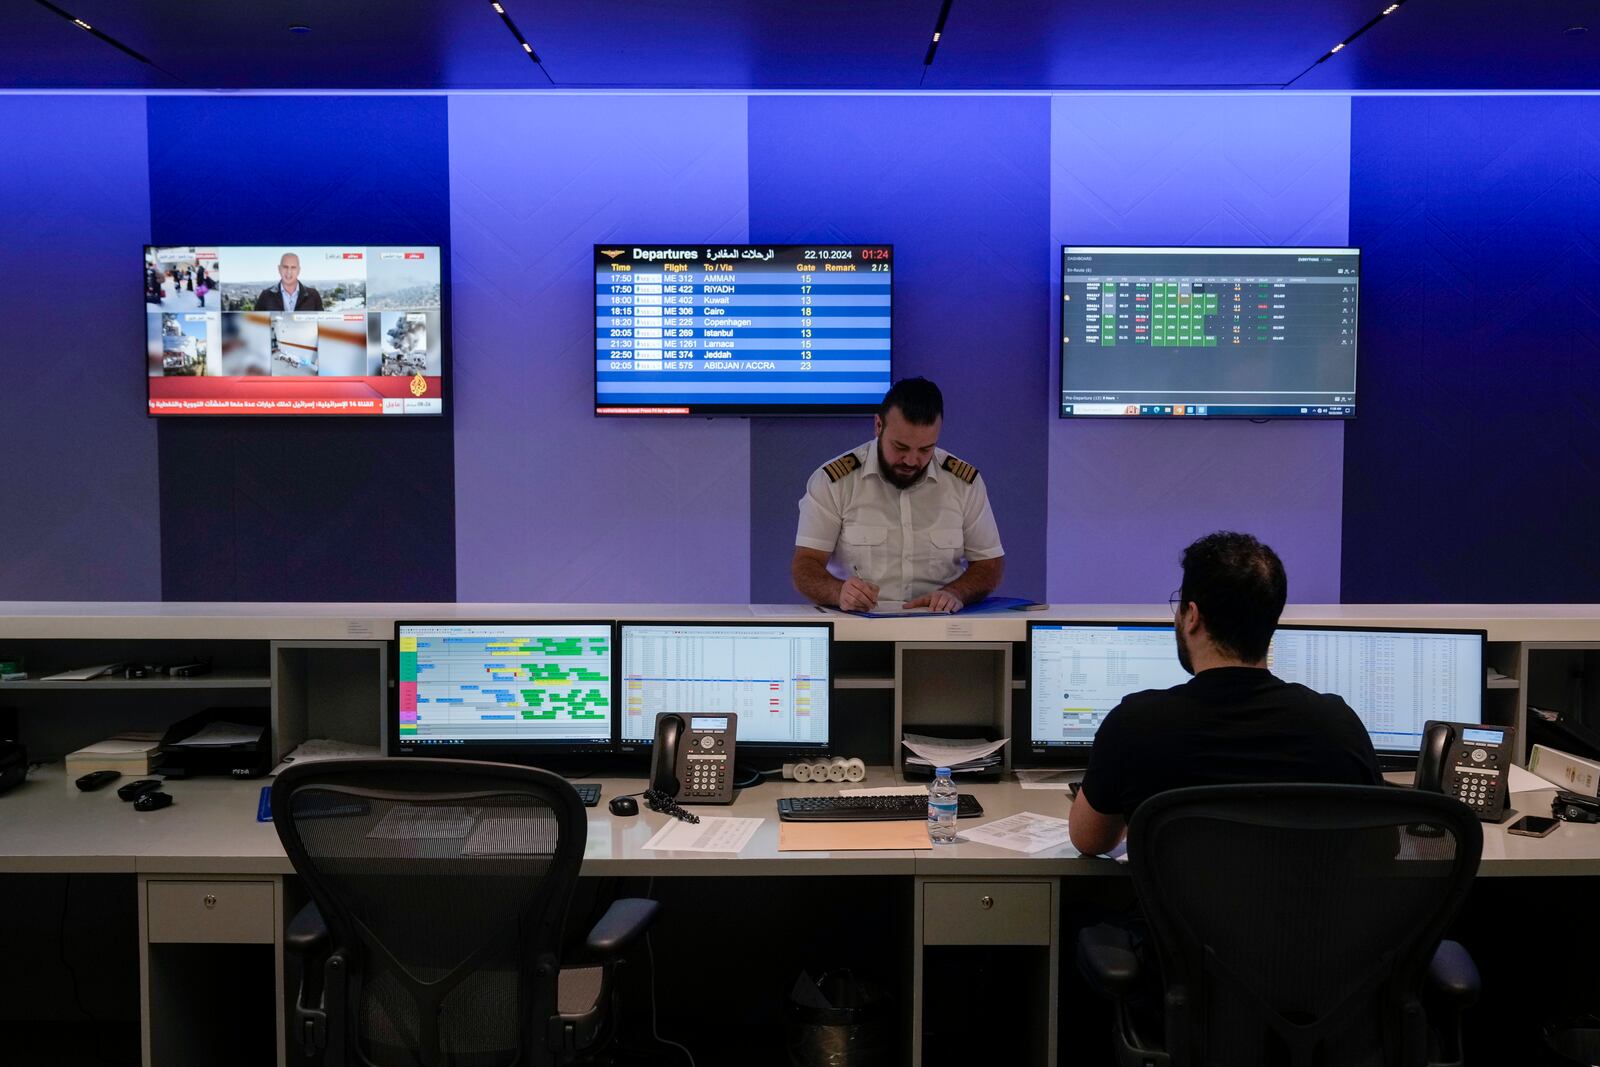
444 885
1294 925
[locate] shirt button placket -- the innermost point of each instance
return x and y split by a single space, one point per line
905 545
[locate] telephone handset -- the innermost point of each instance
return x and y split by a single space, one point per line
693 757
1469 761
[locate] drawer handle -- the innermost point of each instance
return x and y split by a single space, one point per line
986 902
209 900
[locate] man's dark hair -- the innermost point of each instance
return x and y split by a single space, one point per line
918 399
1239 584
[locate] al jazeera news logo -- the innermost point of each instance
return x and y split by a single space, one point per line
419 384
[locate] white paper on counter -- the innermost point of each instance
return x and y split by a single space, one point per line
1025 831
711 834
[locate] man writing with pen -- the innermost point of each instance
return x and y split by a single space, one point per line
898 520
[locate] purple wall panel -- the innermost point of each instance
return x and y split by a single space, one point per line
553 504
959 185
81 519
1126 497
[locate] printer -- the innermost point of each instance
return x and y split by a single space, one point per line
234 742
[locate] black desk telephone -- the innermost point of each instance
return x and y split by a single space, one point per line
693 757
1468 761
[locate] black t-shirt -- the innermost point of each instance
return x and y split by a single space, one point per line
1227 725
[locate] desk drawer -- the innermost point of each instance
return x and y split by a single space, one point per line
986 913
204 912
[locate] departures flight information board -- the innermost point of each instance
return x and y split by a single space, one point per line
741 329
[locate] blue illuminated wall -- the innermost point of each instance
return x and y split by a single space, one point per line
1469 475
1473 474
79 516
959 186
307 509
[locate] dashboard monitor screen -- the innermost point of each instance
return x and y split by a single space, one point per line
1396 680
775 676
294 330
741 329
1209 332
1078 672
502 690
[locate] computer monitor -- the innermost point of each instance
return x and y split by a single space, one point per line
513 691
776 676
1209 332
1395 679
1078 672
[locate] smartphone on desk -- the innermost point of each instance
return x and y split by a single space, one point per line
1533 826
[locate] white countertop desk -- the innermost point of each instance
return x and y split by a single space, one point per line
207 872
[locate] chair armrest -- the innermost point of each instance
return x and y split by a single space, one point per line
1452 976
624 922
1107 959
306 934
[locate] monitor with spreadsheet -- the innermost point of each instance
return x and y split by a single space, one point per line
1394 679
501 690
774 675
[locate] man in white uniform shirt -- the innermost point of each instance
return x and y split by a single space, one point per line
898 519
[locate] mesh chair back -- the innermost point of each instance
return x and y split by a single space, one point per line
446 883
1295 922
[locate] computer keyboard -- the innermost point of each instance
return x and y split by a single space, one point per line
868 809
588 792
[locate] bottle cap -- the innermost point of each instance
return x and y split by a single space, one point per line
941 772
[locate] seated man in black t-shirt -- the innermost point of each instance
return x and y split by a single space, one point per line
1233 722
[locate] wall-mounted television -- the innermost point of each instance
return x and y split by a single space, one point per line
1209 332
741 329
294 329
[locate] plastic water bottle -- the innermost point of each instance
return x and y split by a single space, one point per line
942 808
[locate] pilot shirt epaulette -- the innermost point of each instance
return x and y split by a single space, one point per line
842 466
960 468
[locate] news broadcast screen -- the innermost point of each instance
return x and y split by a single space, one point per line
294 330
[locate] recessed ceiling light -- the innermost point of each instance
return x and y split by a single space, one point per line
1575 31
299 27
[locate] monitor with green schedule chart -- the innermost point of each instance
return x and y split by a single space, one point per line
502 690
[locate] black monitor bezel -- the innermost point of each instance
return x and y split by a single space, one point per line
499 752
634 746
446 361
1400 759
707 411
1061 348
1025 755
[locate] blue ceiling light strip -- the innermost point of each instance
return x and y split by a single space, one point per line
505 16
938 33
1393 6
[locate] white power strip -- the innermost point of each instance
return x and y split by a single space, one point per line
837 769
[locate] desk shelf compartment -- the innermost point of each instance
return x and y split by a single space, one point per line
952 689
56 717
338 690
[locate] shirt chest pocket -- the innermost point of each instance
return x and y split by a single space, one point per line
947 539
864 536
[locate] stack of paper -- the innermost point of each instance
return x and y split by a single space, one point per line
127 753
961 755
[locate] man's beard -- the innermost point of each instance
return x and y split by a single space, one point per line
895 477
1183 651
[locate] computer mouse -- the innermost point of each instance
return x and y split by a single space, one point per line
624 806
152 801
